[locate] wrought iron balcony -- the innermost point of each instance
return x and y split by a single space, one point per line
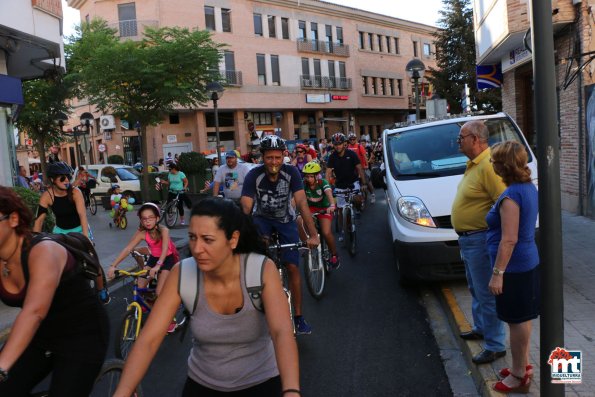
325 82
132 28
232 77
322 47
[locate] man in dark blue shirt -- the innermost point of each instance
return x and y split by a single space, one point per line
267 195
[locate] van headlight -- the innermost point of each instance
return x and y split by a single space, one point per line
414 210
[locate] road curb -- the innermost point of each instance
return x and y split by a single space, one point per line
484 376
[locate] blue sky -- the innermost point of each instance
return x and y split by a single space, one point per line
422 11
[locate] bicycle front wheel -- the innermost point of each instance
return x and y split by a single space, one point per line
349 228
92 205
315 273
128 332
171 214
108 379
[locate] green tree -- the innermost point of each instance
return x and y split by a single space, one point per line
455 60
44 100
141 81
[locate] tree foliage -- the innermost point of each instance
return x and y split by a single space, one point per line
44 100
141 81
455 60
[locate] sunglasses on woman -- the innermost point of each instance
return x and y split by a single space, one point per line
63 178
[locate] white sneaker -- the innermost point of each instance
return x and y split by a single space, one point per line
372 198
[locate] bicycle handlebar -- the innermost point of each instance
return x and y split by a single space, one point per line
125 273
299 244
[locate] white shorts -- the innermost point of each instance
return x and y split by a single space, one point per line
341 193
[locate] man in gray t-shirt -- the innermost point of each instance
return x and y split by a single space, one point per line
231 175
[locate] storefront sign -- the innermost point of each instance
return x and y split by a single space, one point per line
172 138
11 90
515 58
318 98
340 97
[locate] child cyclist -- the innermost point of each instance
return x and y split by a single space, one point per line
163 252
320 198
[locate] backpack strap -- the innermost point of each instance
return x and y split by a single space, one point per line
188 284
253 269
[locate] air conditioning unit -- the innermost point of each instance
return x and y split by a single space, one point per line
107 122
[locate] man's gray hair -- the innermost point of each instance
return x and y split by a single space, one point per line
477 128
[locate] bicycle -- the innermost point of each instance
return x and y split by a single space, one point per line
120 219
348 218
169 210
91 203
142 300
274 248
106 382
317 263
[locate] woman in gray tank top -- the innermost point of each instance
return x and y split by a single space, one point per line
236 348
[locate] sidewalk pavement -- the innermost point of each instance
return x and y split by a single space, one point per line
579 314
108 243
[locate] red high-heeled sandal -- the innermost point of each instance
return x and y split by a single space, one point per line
522 388
504 372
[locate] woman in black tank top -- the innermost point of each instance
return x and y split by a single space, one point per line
62 328
66 201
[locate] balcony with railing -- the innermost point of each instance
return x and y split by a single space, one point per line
325 82
133 28
322 47
232 77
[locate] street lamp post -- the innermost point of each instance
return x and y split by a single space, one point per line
140 142
415 70
86 120
216 90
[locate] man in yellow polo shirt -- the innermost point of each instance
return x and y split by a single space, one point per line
477 192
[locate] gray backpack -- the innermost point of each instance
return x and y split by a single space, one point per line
253 268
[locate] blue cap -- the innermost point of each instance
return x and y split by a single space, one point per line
231 153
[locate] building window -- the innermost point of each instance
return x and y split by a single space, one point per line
370 41
365 84
275 69
127 20
261 69
301 30
388 40
381 86
342 71
340 35
415 54
314 35
258 24
373 84
400 87
174 118
396 45
272 27
328 37
230 68
391 87
285 28
305 66
379 40
262 118
209 18
331 74
226 19
361 40
427 50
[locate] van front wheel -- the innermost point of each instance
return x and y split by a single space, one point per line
404 281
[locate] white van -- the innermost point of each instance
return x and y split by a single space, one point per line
108 174
423 169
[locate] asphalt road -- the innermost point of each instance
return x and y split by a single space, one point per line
370 337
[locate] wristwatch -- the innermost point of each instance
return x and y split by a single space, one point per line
497 272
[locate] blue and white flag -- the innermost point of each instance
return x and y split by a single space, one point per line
488 76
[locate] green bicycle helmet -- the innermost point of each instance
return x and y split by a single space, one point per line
312 168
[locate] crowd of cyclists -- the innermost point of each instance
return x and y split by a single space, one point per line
260 201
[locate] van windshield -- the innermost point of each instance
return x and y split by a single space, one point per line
433 151
126 174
